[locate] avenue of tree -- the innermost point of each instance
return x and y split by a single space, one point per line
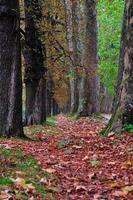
52 50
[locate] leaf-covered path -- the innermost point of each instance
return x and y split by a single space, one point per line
85 165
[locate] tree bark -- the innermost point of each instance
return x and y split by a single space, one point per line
49 96
89 90
123 113
106 100
121 61
35 61
10 70
72 10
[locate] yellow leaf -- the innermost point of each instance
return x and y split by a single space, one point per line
129 162
114 184
20 182
128 188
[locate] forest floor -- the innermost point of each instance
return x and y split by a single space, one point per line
68 160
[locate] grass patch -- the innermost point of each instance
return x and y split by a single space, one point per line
98 115
5 181
37 131
51 121
128 128
64 143
16 164
73 116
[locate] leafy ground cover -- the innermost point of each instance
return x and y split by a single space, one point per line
73 162
21 176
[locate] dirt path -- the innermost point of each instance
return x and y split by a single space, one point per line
87 166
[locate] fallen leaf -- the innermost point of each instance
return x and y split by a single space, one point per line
111 134
85 158
32 198
49 170
20 174
4 196
20 182
81 187
114 184
52 189
129 162
77 147
128 188
97 197
92 175
120 193
30 186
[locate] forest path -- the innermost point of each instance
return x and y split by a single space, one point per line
85 165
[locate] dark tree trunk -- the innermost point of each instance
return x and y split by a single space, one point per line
121 62
123 113
89 91
10 70
35 59
54 107
49 96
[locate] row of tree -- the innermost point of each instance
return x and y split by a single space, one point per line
39 43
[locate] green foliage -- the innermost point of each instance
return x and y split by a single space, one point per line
128 128
64 143
98 115
110 25
94 162
5 181
73 116
51 121
5 153
71 74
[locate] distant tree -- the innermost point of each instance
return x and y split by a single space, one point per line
35 64
10 70
109 18
89 89
123 112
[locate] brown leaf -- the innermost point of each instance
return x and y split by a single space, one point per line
120 193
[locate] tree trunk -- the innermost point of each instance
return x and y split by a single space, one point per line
89 90
35 60
49 97
55 110
72 10
106 100
10 70
121 62
123 113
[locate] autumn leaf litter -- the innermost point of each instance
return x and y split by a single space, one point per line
86 165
